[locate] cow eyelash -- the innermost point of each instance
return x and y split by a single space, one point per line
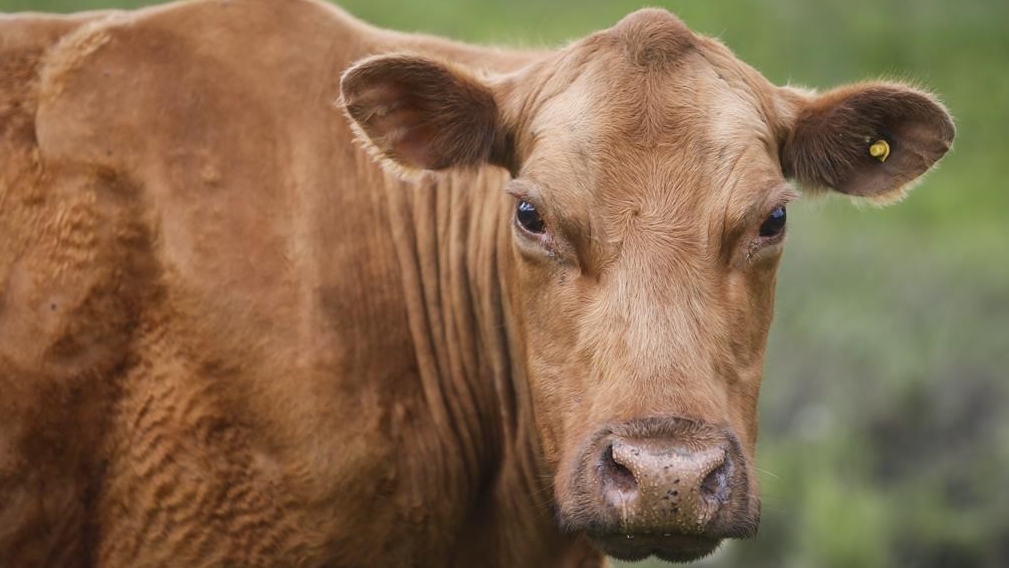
773 227
773 224
528 218
527 214
771 231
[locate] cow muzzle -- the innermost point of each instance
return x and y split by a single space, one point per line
664 486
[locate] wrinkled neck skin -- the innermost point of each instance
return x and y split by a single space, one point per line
452 234
453 242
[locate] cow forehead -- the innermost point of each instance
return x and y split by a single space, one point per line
676 134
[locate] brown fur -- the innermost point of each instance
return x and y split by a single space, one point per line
229 338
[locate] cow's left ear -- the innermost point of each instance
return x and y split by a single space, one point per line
424 114
870 140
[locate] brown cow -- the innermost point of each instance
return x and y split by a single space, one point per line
229 338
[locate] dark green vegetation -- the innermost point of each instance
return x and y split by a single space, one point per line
885 407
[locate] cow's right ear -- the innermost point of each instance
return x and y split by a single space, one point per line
424 114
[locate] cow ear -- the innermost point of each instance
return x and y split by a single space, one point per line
423 114
869 140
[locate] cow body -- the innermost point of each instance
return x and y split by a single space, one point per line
201 268
228 337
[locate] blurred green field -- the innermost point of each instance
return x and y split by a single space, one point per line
885 423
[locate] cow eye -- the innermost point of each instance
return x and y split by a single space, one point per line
774 224
527 216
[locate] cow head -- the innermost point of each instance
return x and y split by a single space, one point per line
647 216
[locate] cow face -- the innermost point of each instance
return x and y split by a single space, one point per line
647 214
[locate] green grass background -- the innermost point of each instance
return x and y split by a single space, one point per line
885 427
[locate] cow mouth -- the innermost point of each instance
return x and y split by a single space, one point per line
670 547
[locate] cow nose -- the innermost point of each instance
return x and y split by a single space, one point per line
654 483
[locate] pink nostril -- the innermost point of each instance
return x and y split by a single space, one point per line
616 475
714 485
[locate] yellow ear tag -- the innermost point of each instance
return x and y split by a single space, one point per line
880 150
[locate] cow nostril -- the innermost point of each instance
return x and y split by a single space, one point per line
616 474
715 484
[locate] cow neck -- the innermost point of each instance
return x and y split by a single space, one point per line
452 234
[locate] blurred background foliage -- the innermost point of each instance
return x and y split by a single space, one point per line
885 427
